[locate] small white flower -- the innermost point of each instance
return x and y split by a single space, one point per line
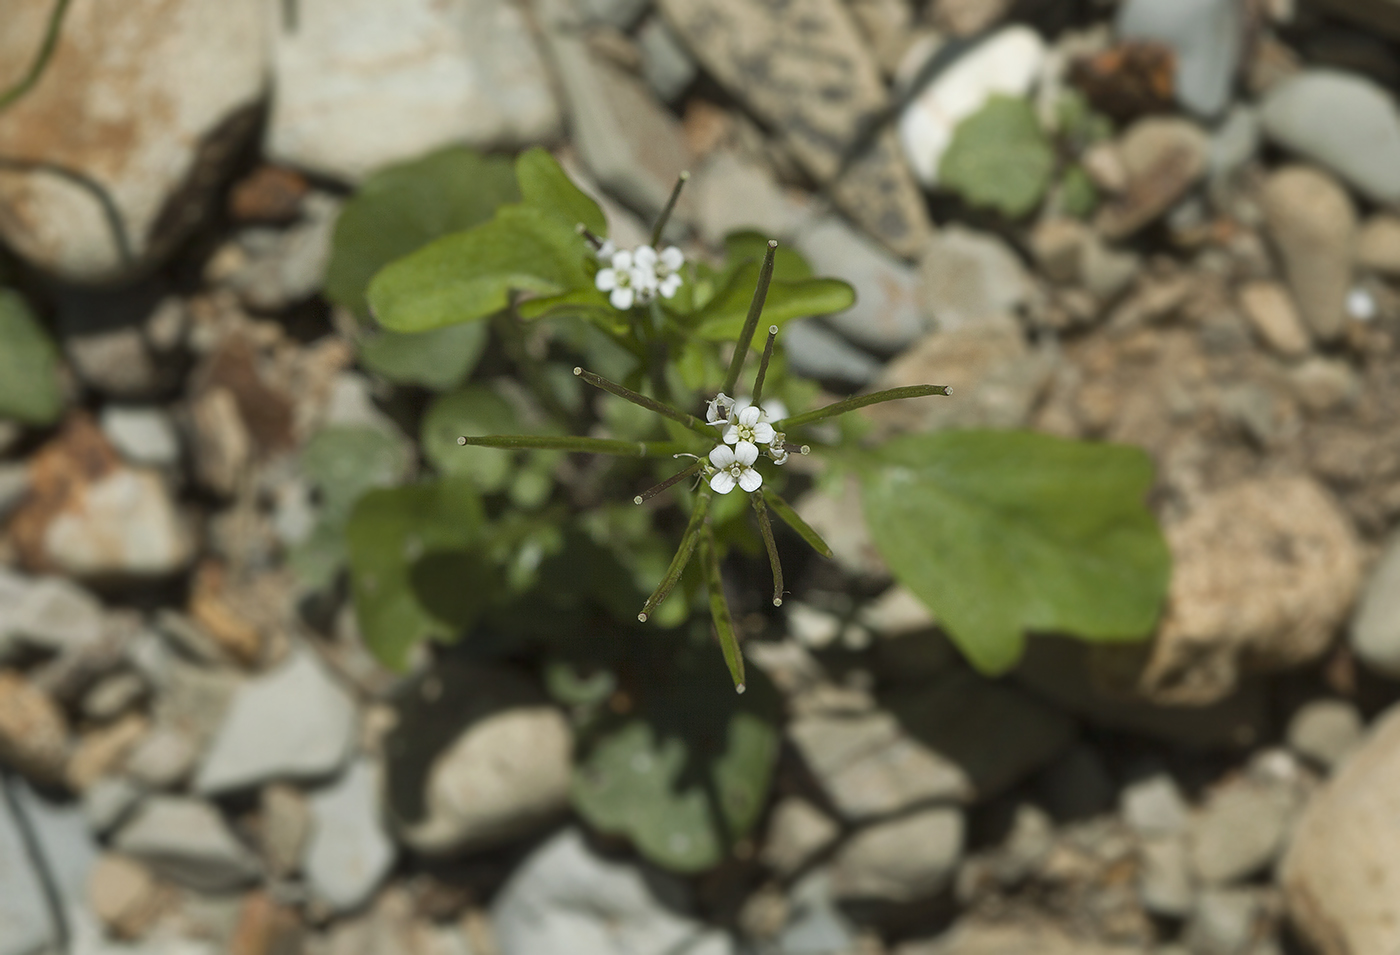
735 466
606 251
747 424
718 408
668 268
776 448
618 280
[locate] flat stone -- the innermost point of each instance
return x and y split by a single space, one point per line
1312 223
1342 121
69 852
1378 245
733 193
905 859
1206 36
151 103
1374 634
187 841
294 722
666 64
286 826
1326 731
1164 877
565 900
797 831
1271 313
1225 920
272 269
1154 806
113 695
163 759
1162 158
966 276
124 524
1239 831
362 85
840 521
815 923
349 853
48 613
815 351
33 730
141 435
108 802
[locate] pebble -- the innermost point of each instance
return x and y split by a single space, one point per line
272 269
1234 143
294 722
348 853
797 832
1225 922
113 695
1341 121
1325 731
1312 223
148 102
125 524
967 276
1239 831
108 802
363 85
286 825
814 351
141 435
101 750
33 730
14 484
886 315
163 759
187 841
1164 877
47 613
622 14
1374 634
503 776
733 193
667 65
1206 37
1154 806
565 900
1006 63
836 514
1378 245
1272 315
1325 384
815 924
124 896
970 937
1162 158
912 857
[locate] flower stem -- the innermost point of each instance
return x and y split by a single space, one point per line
760 293
683 552
719 610
763 365
550 442
765 527
860 401
651 404
791 518
656 489
665 216
588 235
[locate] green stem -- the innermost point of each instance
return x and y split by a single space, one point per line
665 216
763 365
860 401
674 479
683 552
651 404
548 442
41 59
760 293
765 528
790 517
719 611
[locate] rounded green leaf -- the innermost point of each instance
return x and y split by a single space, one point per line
722 318
545 185
1002 532
999 158
29 390
439 359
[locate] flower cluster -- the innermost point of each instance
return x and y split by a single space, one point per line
746 426
636 276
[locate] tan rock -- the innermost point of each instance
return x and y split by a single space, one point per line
1378 244
1271 314
33 731
125 896
1161 159
100 751
1312 223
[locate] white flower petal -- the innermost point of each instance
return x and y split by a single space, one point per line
606 250
779 455
745 453
645 258
642 278
672 258
722 482
717 408
622 260
670 285
606 280
763 432
621 298
749 479
749 416
731 433
775 409
722 456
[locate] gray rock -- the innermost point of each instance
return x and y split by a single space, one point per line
1325 731
968 276
1342 121
115 362
618 13
815 925
163 759
108 802
1324 384
1234 143
142 435
286 825
124 525
814 351
886 316
294 722
908 858
666 63
1225 922
1207 37
153 110
187 841
564 900
503 776
349 853
1312 223
361 85
25 925
14 486
1164 877
273 268
113 695
1374 634
48 613
733 193
1239 831
797 831
1154 806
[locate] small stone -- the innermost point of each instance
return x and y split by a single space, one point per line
1374 634
967 276
1225 920
1239 831
839 520
1162 158
814 351
1378 245
125 896
14 484
26 926
163 759
108 802
124 524
269 194
271 268
1206 37
889 28
47 613
617 13
1164 877
1234 143
113 695
815 922
811 627
666 63
141 435
102 750
902 860
1341 121
33 731
1325 731
294 722
286 824
1312 223
1154 806
348 853
733 193
187 841
1270 311
797 831
1325 384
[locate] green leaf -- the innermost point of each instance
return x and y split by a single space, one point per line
1078 197
722 318
1002 532
794 520
403 207
999 158
686 776
417 570
748 246
29 390
470 275
545 185
438 359
474 410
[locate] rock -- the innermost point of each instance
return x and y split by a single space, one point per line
617 13
349 852
108 802
1378 245
1225 921
152 104
1162 158
33 731
1271 314
1325 731
814 351
797 831
116 362
815 924
1234 143
1325 384
187 841
1206 36
124 896
362 86
286 824
908 858
974 938
1239 831
996 379
143 436
1006 63
68 850
1263 572
841 523
294 722
163 759
810 626
886 316
1312 223
889 28
564 900
1164 877
803 69
733 193
666 63
1154 806
631 144
101 750
504 775
14 485
113 695
966 276
47 613
273 268
1342 121
1374 634
1340 871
